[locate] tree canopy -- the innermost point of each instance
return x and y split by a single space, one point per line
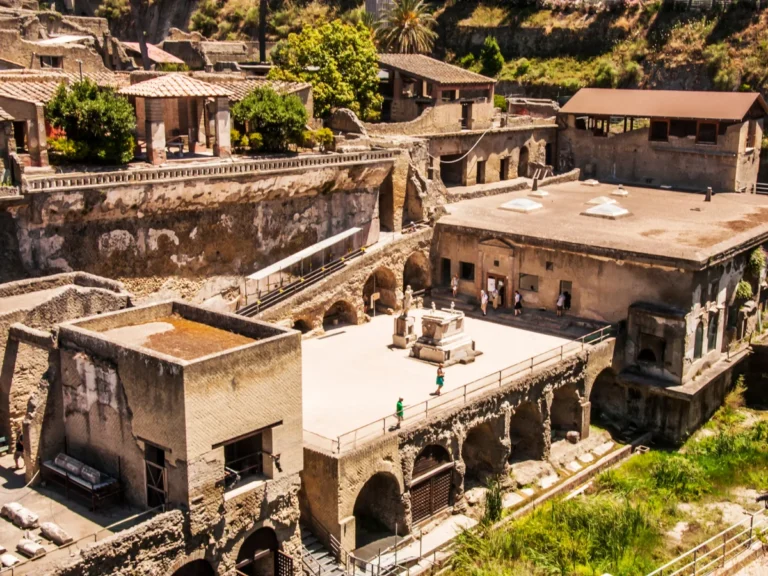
408 27
279 119
341 63
98 120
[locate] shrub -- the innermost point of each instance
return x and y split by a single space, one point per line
95 117
324 138
203 19
113 9
172 67
255 141
522 66
679 475
493 503
234 136
499 101
756 261
280 119
632 73
308 139
606 75
490 57
467 61
61 148
744 290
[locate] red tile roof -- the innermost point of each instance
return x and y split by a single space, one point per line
175 86
433 70
155 54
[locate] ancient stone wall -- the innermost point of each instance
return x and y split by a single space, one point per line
13 47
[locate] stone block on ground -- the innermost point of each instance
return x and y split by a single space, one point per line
573 466
548 481
19 515
8 560
511 499
586 458
30 548
527 492
604 448
529 471
55 533
573 437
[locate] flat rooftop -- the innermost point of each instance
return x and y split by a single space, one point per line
177 336
662 225
351 376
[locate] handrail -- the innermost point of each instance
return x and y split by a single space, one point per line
714 553
207 170
459 396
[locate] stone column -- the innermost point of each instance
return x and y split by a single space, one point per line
7 140
154 131
36 141
583 416
192 126
222 126
200 113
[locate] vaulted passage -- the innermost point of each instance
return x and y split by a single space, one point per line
483 454
258 554
431 483
378 511
566 410
384 283
338 314
416 272
195 568
526 433
608 401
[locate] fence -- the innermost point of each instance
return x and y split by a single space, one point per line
66 551
717 551
454 398
127 177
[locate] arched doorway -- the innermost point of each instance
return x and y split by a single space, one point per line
698 344
431 482
522 163
416 273
378 511
302 326
384 283
526 433
712 331
258 554
608 400
565 411
339 314
195 568
483 454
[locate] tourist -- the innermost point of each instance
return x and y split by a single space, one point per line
19 453
560 303
455 285
518 303
567 300
496 299
440 380
484 302
399 412
500 290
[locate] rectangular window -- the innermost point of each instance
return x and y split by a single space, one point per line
50 62
659 131
651 350
529 282
448 95
707 133
466 271
581 123
682 128
243 458
550 266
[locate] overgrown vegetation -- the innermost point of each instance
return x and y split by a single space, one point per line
97 124
620 526
275 122
744 290
491 60
493 502
341 63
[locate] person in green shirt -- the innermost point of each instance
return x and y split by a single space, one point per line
399 412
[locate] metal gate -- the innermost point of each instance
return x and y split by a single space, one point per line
283 564
431 496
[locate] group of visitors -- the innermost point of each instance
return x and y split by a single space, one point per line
400 407
497 300
563 302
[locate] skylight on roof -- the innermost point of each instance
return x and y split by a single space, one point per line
521 205
620 191
610 211
539 194
602 200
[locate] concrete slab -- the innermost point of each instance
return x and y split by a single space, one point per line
433 540
527 492
351 377
603 449
573 466
548 481
511 499
586 458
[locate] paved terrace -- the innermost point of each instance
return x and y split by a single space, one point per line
352 376
663 225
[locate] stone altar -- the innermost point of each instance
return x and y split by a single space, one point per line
443 340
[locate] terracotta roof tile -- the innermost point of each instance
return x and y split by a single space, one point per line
430 69
103 79
175 86
34 92
663 104
156 54
240 89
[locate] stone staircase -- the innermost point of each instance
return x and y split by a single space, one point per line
317 560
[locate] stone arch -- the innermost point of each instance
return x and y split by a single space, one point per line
339 313
522 162
258 553
526 433
698 343
199 567
416 272
432 482
383 281
565 413
607 400
302 325
379 510
483 453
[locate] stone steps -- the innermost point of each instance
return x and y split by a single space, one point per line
320 561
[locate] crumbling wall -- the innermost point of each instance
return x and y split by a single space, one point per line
13 47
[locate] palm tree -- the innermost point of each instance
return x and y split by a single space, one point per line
408 27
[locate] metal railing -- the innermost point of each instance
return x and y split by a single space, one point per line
453 398
206 170
65 551
717 551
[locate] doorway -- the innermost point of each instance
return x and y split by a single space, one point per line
445 271
566 287
497 282
466 115
481 171
548 154
154 461
504 169
522 163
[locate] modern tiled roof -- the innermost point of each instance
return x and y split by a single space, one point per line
155 54
428 68
175 86
663 104
240 89
4 116
104 79
34 92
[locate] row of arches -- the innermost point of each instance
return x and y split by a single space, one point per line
383 282
257 557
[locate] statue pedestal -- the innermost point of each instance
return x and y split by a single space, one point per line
443 340
405 332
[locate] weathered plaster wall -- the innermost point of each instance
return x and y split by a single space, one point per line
196 227
631 157
13 47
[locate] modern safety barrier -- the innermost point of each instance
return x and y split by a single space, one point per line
454 398
79 180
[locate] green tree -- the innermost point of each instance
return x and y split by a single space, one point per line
97 120
279 119
113 10
204 19
490 57
341 63
408 27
